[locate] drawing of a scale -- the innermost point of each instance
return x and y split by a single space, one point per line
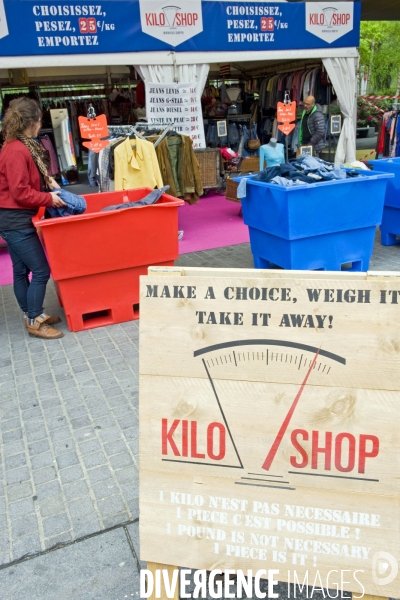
328 13
262 390
170 15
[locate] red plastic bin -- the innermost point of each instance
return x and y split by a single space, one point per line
96 258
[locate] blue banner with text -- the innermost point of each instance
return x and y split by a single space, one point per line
29 27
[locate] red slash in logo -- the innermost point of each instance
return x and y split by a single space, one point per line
274 448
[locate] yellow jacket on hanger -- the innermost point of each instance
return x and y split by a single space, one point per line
136 167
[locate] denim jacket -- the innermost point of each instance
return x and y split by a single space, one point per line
76 205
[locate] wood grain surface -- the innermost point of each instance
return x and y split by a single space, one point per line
269 419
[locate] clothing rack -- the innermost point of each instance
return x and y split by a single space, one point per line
73 97
279 69
125 130
164 127
239 118
138 128
120 129
388 143
242 118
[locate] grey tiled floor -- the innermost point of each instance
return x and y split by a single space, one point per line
99 568
69 429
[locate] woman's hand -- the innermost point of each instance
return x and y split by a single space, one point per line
53 185
56 200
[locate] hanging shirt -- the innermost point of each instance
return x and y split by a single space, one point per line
273 156
136 168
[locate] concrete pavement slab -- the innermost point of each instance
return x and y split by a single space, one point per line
99 568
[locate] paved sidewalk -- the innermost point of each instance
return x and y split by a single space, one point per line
69 449
101 567
69 430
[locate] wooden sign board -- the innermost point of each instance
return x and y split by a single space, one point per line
269 423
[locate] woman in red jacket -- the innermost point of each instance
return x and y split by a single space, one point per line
23 174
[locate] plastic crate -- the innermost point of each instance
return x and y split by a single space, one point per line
323 226
390 227
96 258
328 252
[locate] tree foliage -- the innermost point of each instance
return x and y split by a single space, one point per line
380 55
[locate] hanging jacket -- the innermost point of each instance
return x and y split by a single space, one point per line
136 168
316 127
179 167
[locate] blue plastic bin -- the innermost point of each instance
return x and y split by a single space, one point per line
315 226
390 227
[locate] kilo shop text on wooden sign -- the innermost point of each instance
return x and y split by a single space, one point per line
269 419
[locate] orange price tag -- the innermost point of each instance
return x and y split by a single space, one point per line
286 128
96 145
94 129
286 113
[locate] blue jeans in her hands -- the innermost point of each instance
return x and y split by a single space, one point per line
27 256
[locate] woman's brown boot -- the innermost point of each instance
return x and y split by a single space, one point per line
39 327
51 320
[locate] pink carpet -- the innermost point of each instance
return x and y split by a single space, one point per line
6 276
213 223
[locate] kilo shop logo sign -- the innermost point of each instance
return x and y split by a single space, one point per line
323 452
171 23
329 21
